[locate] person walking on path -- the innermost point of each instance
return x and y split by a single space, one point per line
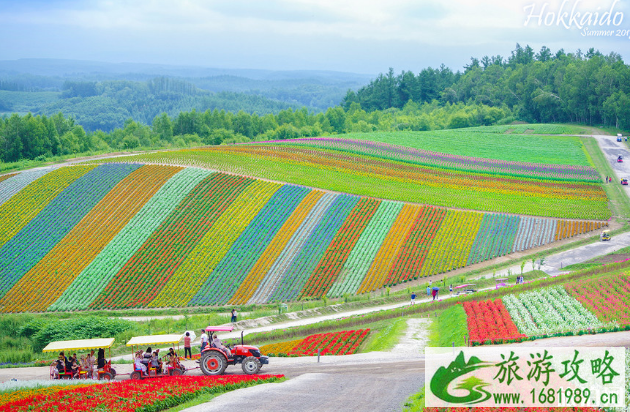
450 289
413 298
204 339
187 349
433 293
429 290
233 320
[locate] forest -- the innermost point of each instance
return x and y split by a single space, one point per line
542 87
546 87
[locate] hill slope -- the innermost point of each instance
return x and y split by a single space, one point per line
133 235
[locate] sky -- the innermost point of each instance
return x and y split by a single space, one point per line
360 36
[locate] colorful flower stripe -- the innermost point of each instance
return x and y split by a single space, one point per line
249 246
364 253
452 243
38 288
132 395
533 232
332 343
547 311
192 283
314 248
41 234
447 161
494 238
281 348
286 258
607 297
490 321
102 269
21 208
388 251
337 253
416 247
16 182
423 175
146 273
569 228
254 278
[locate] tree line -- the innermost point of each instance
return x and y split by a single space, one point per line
42 137
588 88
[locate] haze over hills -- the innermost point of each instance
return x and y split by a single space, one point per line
119 91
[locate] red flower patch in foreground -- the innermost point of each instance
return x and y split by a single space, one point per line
136 396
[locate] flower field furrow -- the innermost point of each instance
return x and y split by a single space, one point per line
490 322
363 254
446 161
607 297
314 248
337 253
547 311
42 233
453 242
292 249
5 177
421 175
494 238
16 182
416 247
332 343
393 180
133 395
194 282
21 208
281 348
388 251
255 276
38 288
112 258
255 239
146 273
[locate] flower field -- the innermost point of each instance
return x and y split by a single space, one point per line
133 395
124 235
547 311
332 343
608 297
490 321
559 184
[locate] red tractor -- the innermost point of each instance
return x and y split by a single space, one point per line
215 359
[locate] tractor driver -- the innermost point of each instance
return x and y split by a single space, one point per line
219 345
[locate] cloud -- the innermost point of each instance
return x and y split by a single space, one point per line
355 35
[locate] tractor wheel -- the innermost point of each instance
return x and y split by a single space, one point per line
175 372
251 365
135 376
213 363
113 372
106 376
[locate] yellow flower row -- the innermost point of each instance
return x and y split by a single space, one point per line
280 347
26 204
452 243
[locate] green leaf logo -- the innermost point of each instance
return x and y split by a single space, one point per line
445 376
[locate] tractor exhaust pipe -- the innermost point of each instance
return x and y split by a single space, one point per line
242 338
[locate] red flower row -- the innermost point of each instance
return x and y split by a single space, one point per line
490 321
333 343
130 395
